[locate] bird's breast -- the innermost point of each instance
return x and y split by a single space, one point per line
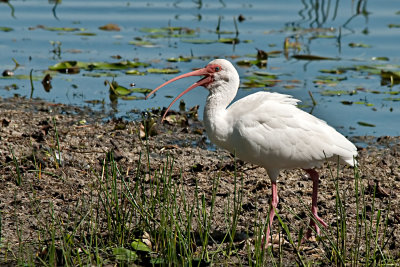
219 129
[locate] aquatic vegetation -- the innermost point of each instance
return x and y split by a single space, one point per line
57 29
359 45
135 72
313 57
110 27
179 59
199 41
6 29
365 124
75 66
337 92
163 71
143 43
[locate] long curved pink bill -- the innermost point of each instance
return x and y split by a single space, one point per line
199 72
196 84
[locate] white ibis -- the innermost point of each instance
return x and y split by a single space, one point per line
267 129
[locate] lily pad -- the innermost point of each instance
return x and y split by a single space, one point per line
330 80
380 58
95 102
134 72
363 103
229 40
86 33
393 92
394 99
337 92
198 41
388 72
333 71
272 53
23 77
365 124
68 67
76 65
152 30
391 75
324 36
248 63
163 71
392 25
122 92
370 69
359 45
313 57
164 32
6 29
116 65
348 103
266 74
10 87
100 74
357 103
143 43
141 90
132 97
168 29
59 29
259 81
179 59
169 35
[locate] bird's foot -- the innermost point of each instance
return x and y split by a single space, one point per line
314 225
309 234
324 224
276 239
265 242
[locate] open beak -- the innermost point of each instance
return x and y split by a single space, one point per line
201 82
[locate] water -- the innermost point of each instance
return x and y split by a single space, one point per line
317 27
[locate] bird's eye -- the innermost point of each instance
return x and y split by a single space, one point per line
217 69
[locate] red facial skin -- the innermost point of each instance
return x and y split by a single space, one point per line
208 71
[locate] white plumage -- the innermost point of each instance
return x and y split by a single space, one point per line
267 129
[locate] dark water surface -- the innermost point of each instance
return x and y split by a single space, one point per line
359 39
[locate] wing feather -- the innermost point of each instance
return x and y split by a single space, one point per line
269 130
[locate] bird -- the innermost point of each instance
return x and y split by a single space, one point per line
267 129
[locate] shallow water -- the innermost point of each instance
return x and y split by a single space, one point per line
312 27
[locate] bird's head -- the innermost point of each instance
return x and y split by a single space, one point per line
218 74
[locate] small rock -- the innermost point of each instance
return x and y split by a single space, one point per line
8 73
110 27
5 122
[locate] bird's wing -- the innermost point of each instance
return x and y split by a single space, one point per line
257 99
269 130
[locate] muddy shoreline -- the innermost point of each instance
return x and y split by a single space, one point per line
33 131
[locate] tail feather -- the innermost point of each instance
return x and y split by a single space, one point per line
351 161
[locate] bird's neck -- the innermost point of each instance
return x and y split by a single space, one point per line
215 118
221 94
214 108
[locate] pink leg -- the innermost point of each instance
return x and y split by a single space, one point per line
314 208
274 204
